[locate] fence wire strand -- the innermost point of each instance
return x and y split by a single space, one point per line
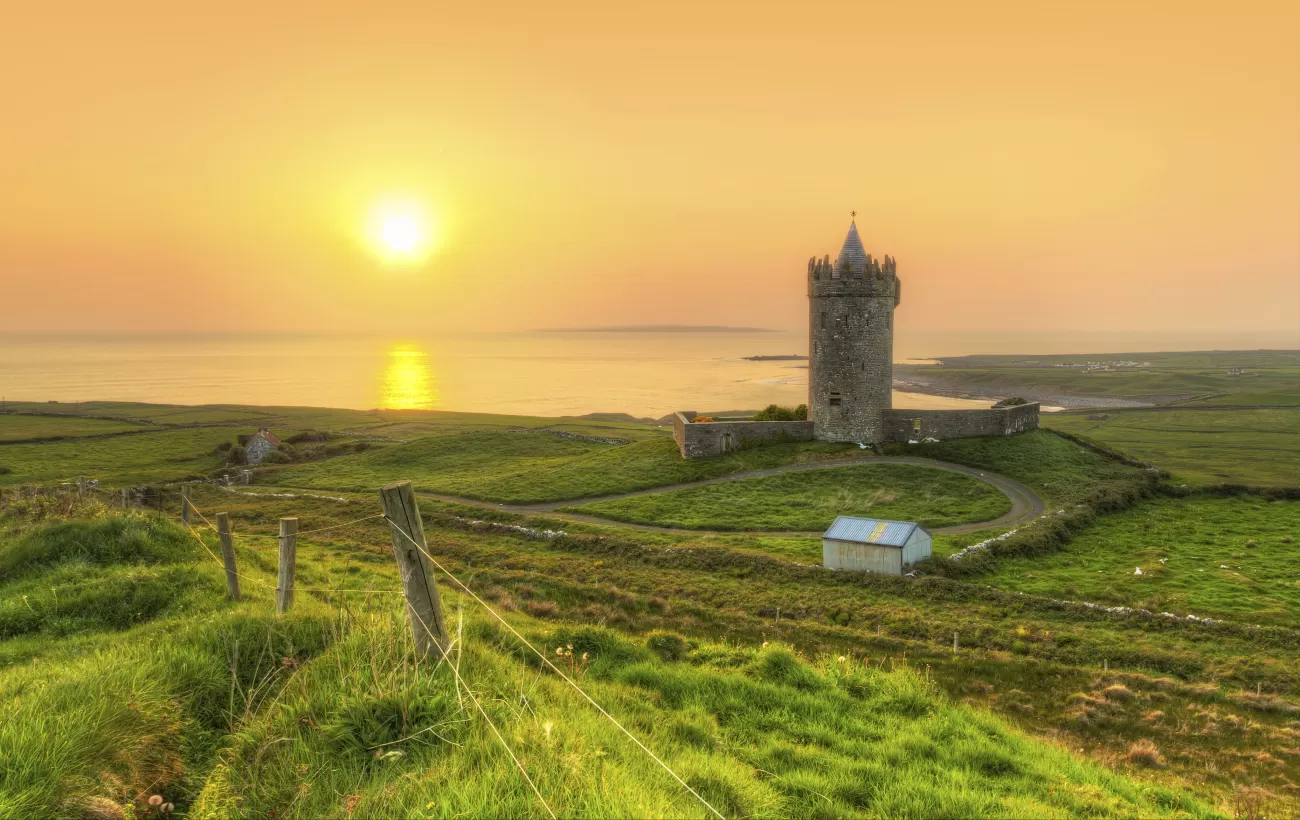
397 528
474 698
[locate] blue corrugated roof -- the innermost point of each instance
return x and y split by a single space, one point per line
871 531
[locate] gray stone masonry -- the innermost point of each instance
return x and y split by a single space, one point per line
851 343
918 425
712 438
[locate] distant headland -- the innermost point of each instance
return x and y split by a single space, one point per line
657 329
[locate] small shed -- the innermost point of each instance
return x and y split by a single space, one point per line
261 444
874 545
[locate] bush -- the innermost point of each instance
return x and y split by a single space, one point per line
277 457
223 448
701 419
310 436
5 470
775 412
238 455
1014 401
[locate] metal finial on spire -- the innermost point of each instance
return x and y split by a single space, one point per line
853 216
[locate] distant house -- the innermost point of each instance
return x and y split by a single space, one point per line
874 545
261 444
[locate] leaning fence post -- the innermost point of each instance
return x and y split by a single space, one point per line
228 555
423 606
288 562
185 504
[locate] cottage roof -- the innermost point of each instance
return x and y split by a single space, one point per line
852 253
871 531
269 436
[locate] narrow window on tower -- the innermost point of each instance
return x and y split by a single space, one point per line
823 320
836 399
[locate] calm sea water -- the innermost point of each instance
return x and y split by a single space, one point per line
646 374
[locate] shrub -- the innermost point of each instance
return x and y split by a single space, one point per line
1014 401
310 436
701 419
223 448
277 457
238 455
775 412
5 470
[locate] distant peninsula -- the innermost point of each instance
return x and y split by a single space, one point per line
657 329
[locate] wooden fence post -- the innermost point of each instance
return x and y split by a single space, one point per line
423 605
125 504
954 643
228 555
288 562
185 504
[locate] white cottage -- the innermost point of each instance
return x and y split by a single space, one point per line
874 545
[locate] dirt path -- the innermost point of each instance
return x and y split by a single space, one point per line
1026 505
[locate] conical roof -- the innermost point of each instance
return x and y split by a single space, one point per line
852 253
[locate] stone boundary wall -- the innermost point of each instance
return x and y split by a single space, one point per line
707 438
946 424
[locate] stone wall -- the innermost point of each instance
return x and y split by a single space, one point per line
712 438
900 425
850 347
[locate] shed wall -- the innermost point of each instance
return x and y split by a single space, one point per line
861 557
918 547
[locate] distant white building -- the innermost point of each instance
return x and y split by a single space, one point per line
874 545
261 444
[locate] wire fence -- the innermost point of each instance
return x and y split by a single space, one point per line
154 500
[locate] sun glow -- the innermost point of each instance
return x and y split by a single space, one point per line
401 231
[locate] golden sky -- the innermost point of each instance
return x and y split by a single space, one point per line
1101 165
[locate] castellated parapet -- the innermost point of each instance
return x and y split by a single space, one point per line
851 343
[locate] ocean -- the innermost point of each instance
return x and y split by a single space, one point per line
527 373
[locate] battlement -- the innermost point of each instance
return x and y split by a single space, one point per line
847 277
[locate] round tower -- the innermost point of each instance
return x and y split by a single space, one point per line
851 305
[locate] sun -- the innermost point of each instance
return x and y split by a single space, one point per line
401 231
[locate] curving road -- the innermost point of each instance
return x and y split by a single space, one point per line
1026 505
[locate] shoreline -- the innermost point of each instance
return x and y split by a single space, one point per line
1047 400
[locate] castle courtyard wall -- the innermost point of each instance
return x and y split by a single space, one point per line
945 424
709 438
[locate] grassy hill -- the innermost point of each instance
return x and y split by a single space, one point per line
115 640
222 709
810 501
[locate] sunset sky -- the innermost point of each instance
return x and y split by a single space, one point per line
1101 165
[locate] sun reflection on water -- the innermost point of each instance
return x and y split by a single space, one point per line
408 380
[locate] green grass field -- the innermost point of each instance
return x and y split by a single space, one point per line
116 642
525 467
15 427
810 500
225 710
1201 447
1270 378
1229 558
1057 469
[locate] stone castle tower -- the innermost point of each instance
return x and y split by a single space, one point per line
851 343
